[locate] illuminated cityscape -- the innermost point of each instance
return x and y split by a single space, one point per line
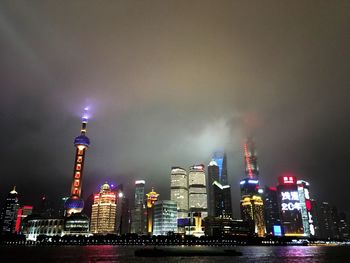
200 205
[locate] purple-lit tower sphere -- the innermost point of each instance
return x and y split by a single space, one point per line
74 203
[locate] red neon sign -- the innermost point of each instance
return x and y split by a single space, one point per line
289 179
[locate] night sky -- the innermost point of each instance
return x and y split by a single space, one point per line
169 82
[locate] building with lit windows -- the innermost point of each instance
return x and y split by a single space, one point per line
164 217
37 226
251 203
225 227
23 212
222 200
271 211
252 212
103 216
9 212
152 197
139 211
75 203
76 225
290 206
197 190
179 190
306 208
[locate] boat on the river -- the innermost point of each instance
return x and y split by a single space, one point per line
184 252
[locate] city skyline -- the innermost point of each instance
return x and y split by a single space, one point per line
181 80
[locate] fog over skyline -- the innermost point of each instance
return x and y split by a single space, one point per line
168 83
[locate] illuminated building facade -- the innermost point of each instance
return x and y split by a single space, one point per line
220 158
75 203
271 211
139 212
290 206
222 200
9 212
306 208
252 204
103 216
197 190
76 224
22 213
164 217
139 192
179 190
251 162
152 197
225 227
252 212
37 226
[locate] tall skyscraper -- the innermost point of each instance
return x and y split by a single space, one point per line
271 211
252 212
213 176
179 191
219 195
197 190
326 220
123 211
139 212
75 203
290 205
251 160
9 212
344 226
222 200
165 217
251 204
315 217
22 213
139 192
221 161
152 197
306 208
103 216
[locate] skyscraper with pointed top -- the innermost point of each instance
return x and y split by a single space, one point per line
220 159
251 204
251 160
9 213
75 203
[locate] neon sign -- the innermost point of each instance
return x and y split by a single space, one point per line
289 179
290 201
290 206
294 196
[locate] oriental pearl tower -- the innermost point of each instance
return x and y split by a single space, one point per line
75 203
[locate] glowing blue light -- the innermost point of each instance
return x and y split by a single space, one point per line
277 231
242 182
253 181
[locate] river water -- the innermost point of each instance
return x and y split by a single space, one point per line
290 254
